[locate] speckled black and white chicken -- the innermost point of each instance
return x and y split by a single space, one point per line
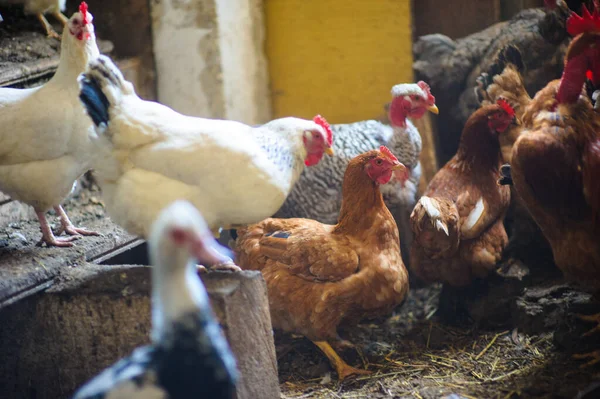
188 357
318 193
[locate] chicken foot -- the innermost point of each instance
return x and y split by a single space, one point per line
592 318
48 236
594 355
68 227
343 369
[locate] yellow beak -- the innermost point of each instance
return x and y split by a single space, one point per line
329 151
399 166
434 109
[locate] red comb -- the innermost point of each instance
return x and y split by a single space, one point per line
587 22
425 87
83 9
388 154
589 75
319 120
506 107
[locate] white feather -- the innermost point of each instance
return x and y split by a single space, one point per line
474 216
406 89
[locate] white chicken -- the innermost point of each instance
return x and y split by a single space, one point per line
151 156
41 7
189 356
45 134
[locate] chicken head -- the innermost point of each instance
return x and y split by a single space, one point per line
410 101
318 141
384 165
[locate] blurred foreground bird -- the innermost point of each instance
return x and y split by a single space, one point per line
318 193
320 276
188 357
151 155
41 7
45 141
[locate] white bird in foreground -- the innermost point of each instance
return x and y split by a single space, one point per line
45 143
41 7
188 357
150 155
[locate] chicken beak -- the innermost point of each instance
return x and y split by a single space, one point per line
329 151
211 252
433 109
400 173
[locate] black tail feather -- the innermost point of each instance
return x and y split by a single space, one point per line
94 101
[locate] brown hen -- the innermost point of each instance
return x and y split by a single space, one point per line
320 276
457 224
555 161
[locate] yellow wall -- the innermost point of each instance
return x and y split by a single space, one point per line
338 58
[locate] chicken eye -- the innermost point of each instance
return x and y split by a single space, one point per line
317 136
75 22
379 162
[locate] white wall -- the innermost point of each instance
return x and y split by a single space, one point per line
210 60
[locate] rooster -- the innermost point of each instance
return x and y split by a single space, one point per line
457 224
318 193
44 142
319 276
189 357
556 159
151 155
41 7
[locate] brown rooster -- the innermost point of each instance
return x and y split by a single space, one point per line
318 275
555 162
457 224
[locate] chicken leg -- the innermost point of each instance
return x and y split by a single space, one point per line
47 27
68 227
341 367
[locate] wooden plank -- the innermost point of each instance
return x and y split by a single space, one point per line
428 158
454 18
26 269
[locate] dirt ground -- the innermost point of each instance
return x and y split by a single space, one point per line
413 355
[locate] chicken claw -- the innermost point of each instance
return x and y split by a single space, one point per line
595 356
343 369
593 318
68 227
48 237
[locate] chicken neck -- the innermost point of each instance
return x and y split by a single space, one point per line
176 291
479 147
75 55
361 202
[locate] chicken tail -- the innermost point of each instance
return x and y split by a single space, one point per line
101 87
